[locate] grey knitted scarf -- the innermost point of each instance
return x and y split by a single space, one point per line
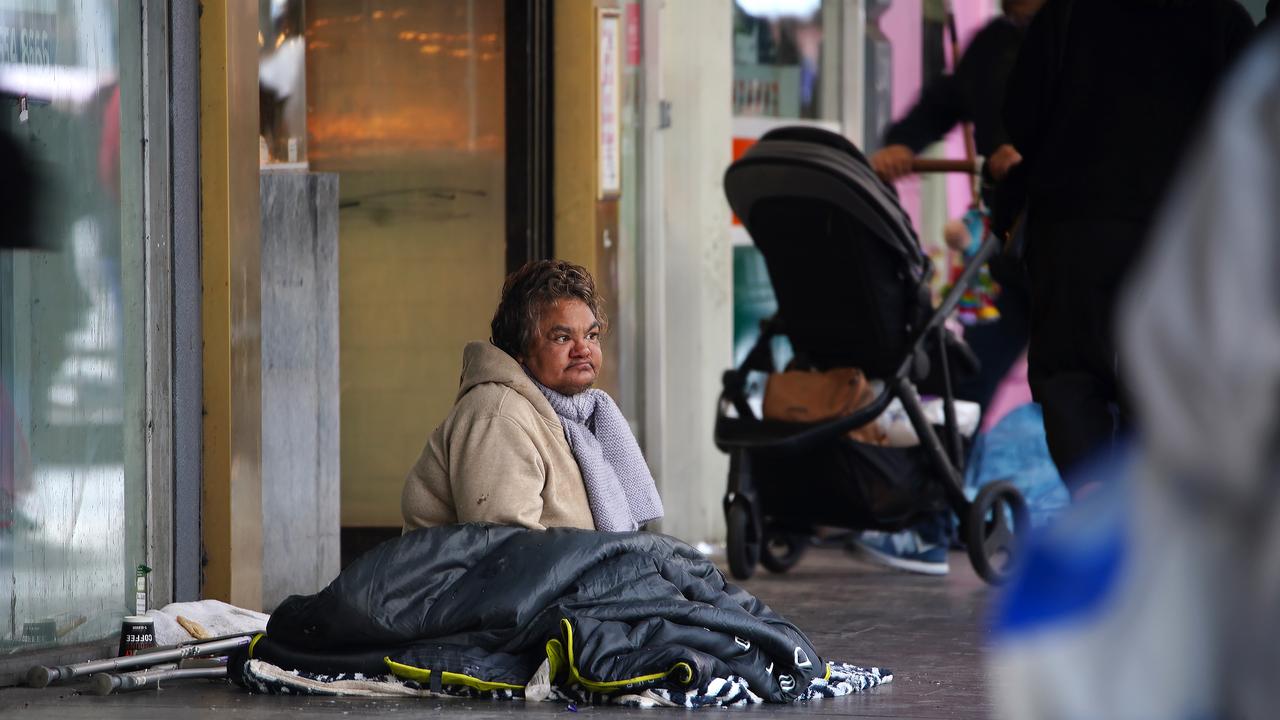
620 488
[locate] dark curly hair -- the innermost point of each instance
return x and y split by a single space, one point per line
531 289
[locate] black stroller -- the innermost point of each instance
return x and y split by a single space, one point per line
853 291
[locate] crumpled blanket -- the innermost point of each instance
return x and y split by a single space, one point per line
214 616
489 608
265 678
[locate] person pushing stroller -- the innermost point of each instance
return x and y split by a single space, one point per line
973 93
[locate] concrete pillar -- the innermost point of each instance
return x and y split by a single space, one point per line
687 260
300 389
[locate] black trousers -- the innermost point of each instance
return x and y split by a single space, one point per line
1076 271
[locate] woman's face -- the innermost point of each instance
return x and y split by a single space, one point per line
565 352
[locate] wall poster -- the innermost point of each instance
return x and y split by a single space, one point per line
608 119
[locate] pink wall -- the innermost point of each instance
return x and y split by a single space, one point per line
901 24
971 15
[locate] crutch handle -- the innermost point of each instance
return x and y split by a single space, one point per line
935 165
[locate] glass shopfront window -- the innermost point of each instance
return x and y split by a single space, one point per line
406 102
71 370
786 59
786 71
282 83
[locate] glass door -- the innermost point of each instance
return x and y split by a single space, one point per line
72 512
406 102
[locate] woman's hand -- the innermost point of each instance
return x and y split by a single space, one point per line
892 162
1002 161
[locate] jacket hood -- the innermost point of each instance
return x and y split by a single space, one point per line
483 362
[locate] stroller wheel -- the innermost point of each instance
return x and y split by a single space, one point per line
744 541
994 529
782 550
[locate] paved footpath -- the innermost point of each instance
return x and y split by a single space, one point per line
928 630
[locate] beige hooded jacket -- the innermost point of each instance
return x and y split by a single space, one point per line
500 456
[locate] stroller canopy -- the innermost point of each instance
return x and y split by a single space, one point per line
845 264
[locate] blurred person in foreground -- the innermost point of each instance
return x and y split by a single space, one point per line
974 92
529 442
1103 98
1159 596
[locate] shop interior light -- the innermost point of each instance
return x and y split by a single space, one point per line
779 8
52 83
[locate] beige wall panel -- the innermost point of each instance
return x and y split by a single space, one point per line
407 105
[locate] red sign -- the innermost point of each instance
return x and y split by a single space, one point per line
634 47
740 146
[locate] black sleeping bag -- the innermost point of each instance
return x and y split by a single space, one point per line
484 606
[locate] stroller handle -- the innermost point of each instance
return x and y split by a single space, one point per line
933 165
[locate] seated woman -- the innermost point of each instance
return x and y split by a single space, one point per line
528 442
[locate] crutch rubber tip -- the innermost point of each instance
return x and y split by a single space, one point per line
102 684
40 676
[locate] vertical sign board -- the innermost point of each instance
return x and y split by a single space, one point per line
634 46
609 97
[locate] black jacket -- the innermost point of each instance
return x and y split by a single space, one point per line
485 605
974 93
1105 96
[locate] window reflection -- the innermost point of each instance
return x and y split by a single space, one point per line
282 86
67 533
392 79
407 104
777 60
